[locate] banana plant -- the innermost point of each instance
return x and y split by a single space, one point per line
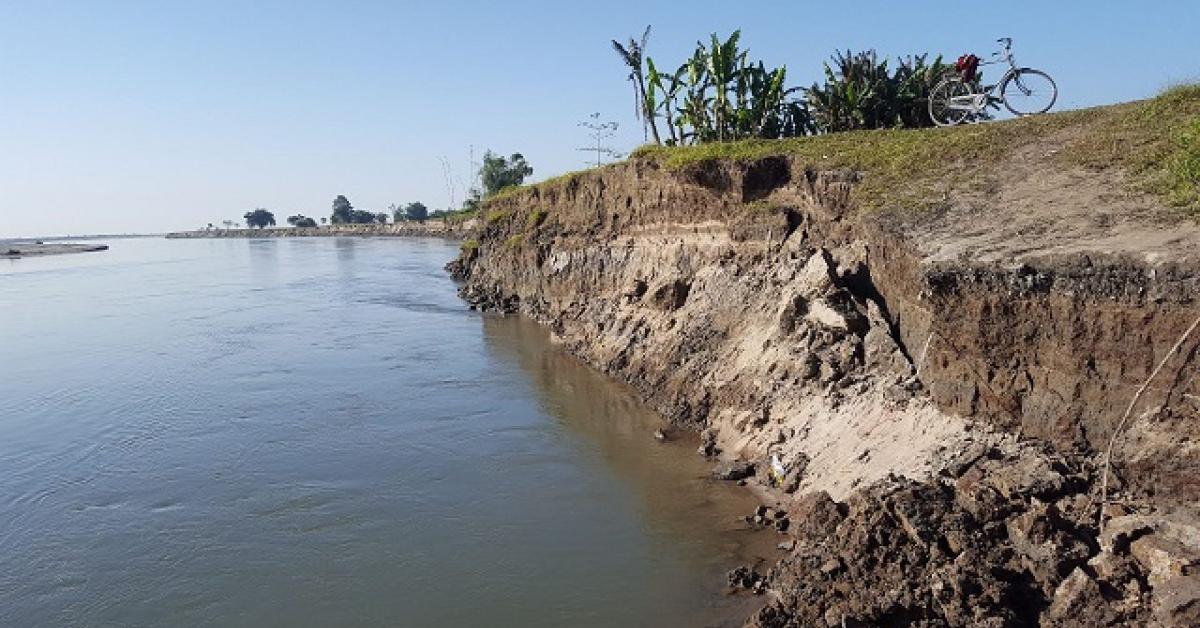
861 93
668 85
632 54
719 95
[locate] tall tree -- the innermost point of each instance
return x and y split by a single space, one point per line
342 210
416 211
633 54
259 218
300 220
498 173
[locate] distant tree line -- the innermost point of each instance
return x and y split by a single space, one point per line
344 213
495 174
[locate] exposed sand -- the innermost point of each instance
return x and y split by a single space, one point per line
31 249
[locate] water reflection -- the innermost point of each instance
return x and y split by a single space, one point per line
687 514
264 260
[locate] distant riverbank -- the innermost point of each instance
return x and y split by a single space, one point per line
429 228
31 249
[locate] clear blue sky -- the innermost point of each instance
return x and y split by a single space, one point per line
150 116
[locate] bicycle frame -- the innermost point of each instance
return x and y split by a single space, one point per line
1021 90
976 103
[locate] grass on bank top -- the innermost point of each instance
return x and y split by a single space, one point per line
1157 141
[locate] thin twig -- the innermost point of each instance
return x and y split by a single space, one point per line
1112 441
924 351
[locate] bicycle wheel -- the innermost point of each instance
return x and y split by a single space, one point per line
1028 91
940 109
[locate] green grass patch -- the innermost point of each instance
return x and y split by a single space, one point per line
515 242
900 166
1157 141
469 246
564 178
561 180
459 216
496 215
535 218
763 206
1182 178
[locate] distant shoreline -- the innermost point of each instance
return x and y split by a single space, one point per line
36 249
427 229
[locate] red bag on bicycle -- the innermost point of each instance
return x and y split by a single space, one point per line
967 66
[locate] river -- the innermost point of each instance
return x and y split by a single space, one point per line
318 432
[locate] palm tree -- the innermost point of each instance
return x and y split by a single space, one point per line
632 55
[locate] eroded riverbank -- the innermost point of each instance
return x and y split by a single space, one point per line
948 412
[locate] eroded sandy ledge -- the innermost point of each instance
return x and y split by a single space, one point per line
22 249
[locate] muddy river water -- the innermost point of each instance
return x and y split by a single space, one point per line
318 432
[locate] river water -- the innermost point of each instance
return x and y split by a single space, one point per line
318 432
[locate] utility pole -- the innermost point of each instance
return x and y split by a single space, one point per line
474 169
448 177
600 131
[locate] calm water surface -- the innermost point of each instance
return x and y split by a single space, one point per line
317 432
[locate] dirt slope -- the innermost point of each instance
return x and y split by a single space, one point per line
938 375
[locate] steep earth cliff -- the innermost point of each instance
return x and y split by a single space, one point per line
924 362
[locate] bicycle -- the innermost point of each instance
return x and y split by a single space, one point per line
1023 91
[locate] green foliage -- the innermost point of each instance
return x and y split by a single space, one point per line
1156 141
632 55
453 215
469 246
343 211
259 218
495 216
473 202
860 93
498 173
416 211
535 218
300 220
719 95
1184 168
515 242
